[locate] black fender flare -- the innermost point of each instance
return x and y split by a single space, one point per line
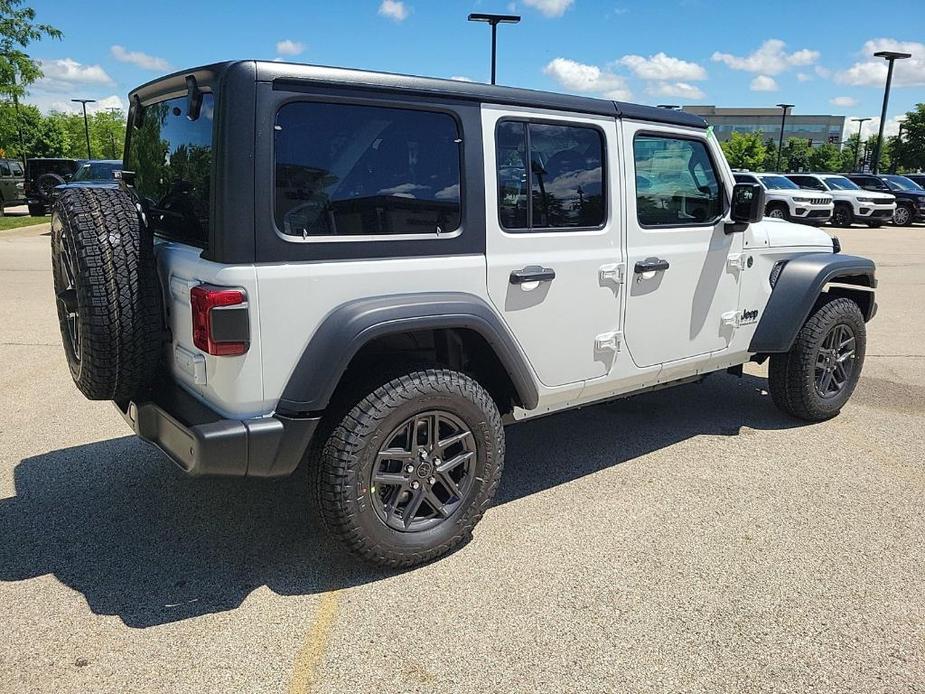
798 286
345 330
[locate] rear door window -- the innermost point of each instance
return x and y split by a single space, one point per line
171 156
352 171
565 186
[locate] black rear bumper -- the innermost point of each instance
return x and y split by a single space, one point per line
202 442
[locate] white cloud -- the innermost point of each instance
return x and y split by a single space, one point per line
578 77
461 78
681 90
803 77
550 8
823 72
663 67
763 83
872 126
139 59
66 73
63 106
394 9
289 47
872 71
844 101
769 59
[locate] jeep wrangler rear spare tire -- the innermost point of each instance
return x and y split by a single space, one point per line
107 291
816 377
406 473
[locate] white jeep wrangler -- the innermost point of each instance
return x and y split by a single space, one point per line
785 200
377 272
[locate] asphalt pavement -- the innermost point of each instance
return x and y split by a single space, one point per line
691 540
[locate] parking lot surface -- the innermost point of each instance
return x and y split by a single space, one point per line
694 539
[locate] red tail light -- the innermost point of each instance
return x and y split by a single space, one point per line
220 323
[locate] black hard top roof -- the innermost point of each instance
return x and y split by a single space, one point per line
273 71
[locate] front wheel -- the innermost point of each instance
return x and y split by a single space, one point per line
405 476
902 216
842 216
814 380
777 212
37 211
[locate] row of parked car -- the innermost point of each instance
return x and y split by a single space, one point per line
842 199
43 179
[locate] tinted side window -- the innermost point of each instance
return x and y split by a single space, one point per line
344 170
676 183
743 178
565 186
4 169
808 182
17 169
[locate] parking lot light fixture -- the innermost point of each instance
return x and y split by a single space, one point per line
494 20
857 145
890 57
84 102
783 120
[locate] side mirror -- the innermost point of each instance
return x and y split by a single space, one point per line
747 203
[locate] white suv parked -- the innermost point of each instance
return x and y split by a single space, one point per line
785 201
375 273
852 203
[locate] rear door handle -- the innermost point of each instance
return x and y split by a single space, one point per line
533 273
651 265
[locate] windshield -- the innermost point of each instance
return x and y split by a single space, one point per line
901 183
840 183
96 171
778 182
171 156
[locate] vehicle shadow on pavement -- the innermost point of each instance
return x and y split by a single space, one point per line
115 521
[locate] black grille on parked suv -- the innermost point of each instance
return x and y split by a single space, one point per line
818 201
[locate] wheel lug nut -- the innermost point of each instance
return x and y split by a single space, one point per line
415 484
409 469
432 480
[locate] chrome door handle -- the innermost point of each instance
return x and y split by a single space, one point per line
533 273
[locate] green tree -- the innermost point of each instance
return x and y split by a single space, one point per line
825 158
18 70
913 150
745 150
40 136
795 155
107 133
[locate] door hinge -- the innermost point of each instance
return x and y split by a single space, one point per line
609 341
613 272
736 261
730 318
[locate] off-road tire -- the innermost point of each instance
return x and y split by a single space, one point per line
792 375
842 216
116 292
341 465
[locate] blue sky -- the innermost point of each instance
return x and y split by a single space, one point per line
815 55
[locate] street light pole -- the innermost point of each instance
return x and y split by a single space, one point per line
857 145
890 57
783 120
84 102
494 20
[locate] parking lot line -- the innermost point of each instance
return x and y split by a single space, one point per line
313 648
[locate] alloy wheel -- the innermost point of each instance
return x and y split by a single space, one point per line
835 361
423 471
901 216
67 296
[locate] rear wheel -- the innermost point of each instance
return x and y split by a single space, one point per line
406 474
37 210
816 377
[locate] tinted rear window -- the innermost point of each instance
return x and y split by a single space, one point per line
172 160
